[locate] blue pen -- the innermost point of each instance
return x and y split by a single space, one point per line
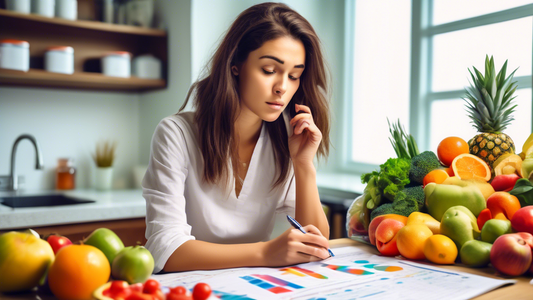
297 225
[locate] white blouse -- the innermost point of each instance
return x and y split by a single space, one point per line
180 206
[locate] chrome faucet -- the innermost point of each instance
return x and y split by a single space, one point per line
13 178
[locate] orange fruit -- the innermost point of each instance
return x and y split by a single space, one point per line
440 249
449 171
449 148
468 166
411 240
437 176
77 271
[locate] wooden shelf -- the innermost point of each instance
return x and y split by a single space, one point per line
90 40
82 80
92 25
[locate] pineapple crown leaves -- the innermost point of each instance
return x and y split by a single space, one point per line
489 98
404 145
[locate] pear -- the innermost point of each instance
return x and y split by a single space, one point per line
493 228
459 224
440 197
475 253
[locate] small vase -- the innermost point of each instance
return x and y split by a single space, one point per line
103 178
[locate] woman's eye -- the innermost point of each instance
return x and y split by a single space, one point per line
267 72
293 78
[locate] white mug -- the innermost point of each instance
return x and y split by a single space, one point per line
21 6
44 7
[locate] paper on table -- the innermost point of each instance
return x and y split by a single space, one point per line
352 273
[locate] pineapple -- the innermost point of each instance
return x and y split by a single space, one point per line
488 102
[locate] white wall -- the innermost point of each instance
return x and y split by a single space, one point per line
67 123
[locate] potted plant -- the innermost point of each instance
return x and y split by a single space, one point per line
104 158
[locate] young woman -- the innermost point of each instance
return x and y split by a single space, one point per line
217 176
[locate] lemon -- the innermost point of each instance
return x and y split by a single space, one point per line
440 249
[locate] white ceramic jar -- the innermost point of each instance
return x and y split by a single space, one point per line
146 66
15 55
44 7
67 9
21 6
117 64
59 59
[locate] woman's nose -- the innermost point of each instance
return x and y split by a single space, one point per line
281 87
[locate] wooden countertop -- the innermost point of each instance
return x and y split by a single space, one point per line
520 290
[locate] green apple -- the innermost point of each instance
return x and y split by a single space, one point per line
440 197
133 264
459 224
475 253
107 241
493 228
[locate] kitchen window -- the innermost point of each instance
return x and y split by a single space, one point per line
409 60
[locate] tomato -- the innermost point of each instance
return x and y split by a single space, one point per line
137 287
201 291
57 242
151 286
179 290
118 289
171 296
139 296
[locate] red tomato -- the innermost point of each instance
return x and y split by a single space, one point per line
151 286
118 289
201 291
139 296
179 290
171 296
137 287
57 242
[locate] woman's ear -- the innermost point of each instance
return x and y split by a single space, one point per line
235 70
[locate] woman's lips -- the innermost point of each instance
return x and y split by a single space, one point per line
275 106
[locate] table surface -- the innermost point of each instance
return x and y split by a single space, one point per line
520 290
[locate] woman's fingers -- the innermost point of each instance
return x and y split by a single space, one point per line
301 107
301 117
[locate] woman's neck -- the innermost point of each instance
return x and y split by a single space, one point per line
248 128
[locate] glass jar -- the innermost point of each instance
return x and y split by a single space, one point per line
65 174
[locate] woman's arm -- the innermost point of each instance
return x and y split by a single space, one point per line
303 145
289 248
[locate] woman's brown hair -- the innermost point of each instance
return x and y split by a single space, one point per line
217 100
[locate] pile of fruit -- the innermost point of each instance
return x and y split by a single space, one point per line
83 270
471 202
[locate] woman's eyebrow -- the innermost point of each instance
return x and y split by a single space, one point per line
280 61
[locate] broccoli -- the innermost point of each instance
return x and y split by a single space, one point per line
403 207
416 193
421 165
391 178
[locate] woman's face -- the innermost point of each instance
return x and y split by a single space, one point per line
270 76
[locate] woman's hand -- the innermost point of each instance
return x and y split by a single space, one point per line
294 247
306 136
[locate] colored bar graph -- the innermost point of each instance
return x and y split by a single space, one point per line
265 285
347 269
278 281
303 272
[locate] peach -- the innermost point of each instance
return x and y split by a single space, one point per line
377 220
504 182
522 220
503 205
386 236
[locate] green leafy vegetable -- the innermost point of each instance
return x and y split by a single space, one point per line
523 190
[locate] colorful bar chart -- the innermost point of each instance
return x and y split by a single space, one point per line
271 283
295 270
347 269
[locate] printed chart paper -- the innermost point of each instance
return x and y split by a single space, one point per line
352 273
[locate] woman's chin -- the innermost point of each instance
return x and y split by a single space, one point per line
271 117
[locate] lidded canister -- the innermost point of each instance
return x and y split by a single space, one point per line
59 59
15 55
117 64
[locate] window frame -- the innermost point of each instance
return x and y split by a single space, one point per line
421 96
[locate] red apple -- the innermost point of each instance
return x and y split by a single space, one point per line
511 254
522 220
57 242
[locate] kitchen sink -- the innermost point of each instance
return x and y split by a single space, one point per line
41 200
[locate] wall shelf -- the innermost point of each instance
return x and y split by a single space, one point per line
90 40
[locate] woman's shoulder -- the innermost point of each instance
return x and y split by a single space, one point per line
183 122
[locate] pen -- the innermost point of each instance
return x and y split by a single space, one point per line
297 225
